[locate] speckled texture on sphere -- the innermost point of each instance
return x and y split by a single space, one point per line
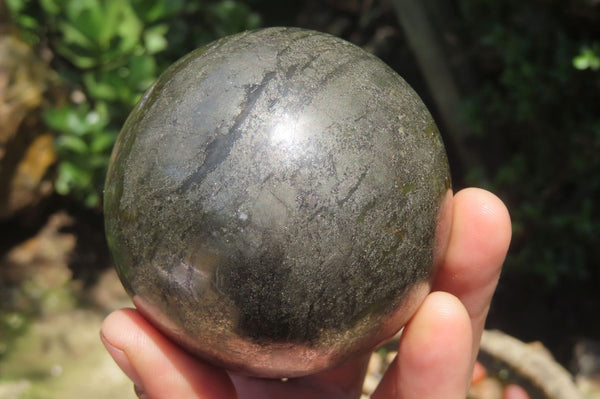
275 196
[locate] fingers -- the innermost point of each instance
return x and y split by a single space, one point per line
431 361
439 345
158 368
479 373
437 348
479 239
515 392
344 381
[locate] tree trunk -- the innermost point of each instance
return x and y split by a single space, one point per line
429 53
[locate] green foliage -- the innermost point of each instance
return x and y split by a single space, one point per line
589 57
12 325
83 146
535 108
109 52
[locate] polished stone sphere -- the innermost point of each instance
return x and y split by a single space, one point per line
272 202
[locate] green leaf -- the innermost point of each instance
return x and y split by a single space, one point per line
76 46
154 38
102 143
129 27
142 72
56 118
78 120
28 22
50 7
97 33
70 176
92 200
109 32
98 118
16 6
153 10
233 17
92 24
73 8
588 58
100 89
68 119
67 142
76 123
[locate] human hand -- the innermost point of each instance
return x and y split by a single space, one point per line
436 352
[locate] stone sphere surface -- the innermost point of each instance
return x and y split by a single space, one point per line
272 201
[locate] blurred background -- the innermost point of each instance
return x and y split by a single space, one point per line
514 86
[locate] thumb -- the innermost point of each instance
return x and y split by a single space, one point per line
158 368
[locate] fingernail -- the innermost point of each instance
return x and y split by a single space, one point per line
122 361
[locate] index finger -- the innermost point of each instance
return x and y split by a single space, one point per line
479 240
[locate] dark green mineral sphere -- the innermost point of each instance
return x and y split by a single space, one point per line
272 201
